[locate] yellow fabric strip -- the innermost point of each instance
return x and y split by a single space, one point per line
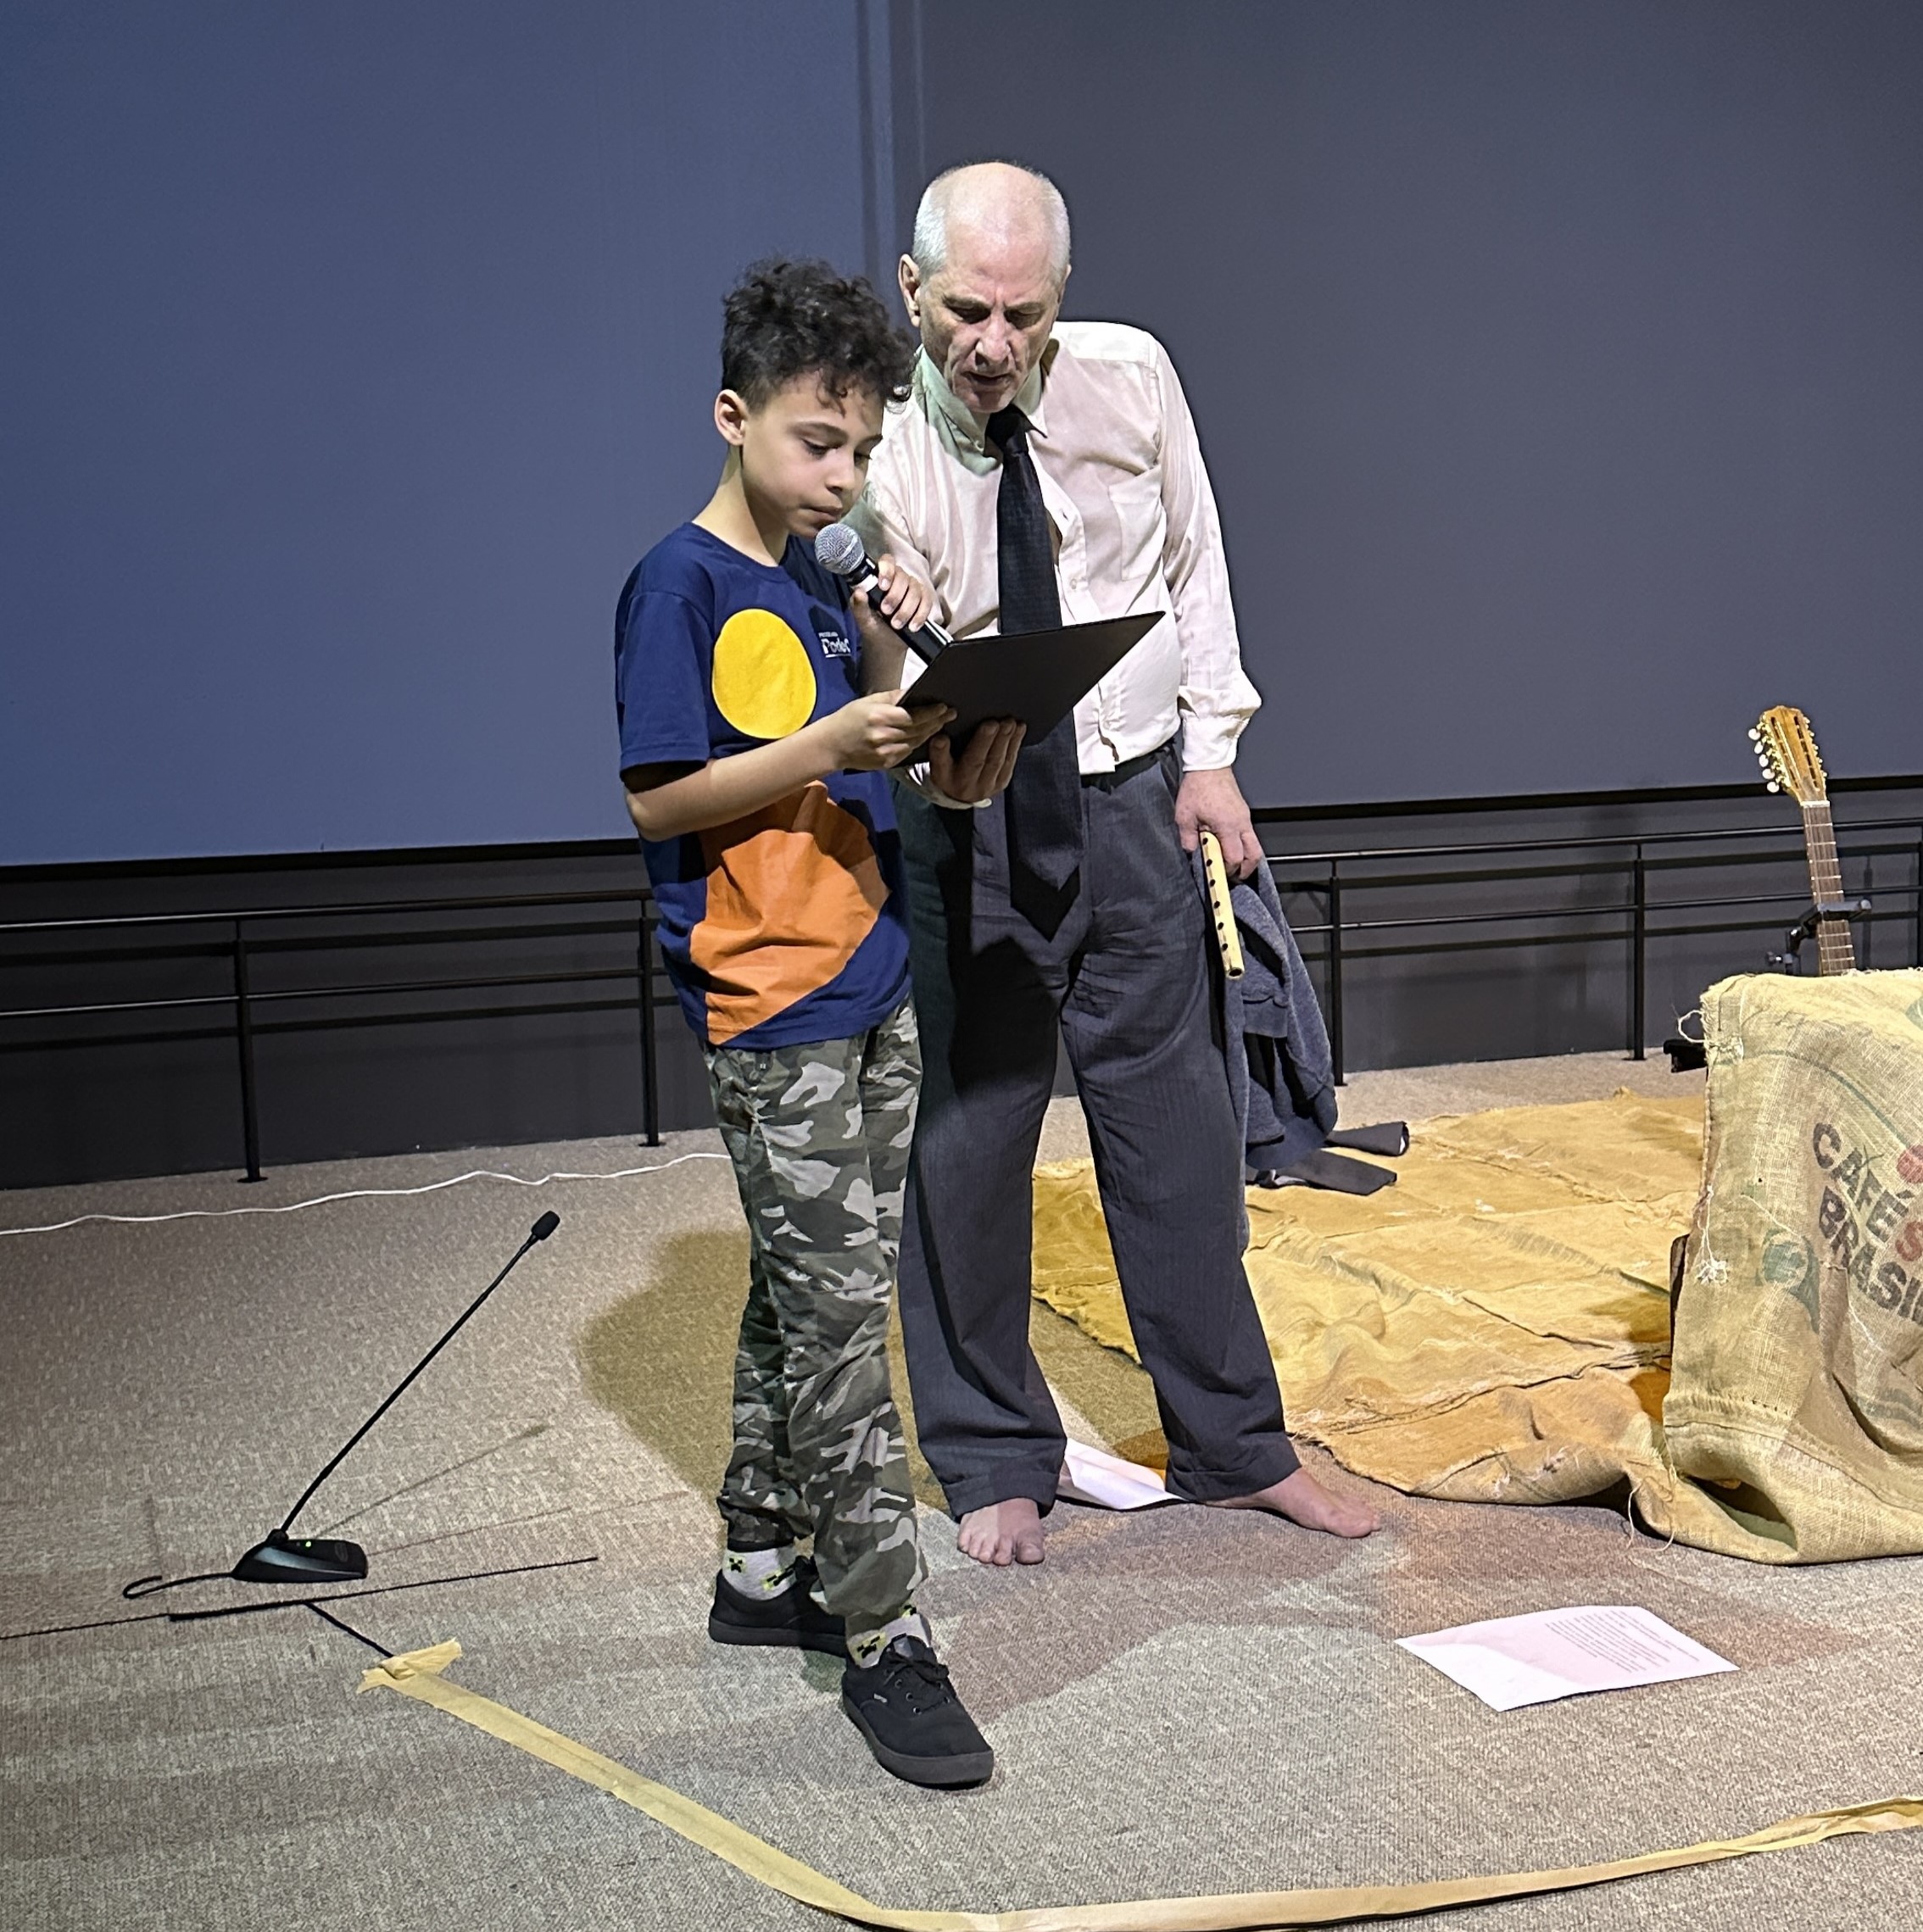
420 1674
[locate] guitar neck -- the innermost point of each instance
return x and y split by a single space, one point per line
1835 953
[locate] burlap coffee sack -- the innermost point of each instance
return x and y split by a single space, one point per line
1794 1399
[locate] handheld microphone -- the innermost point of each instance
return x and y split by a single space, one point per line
838 550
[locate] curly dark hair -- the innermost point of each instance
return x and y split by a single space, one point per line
787 318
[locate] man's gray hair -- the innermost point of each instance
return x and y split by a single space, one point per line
930 247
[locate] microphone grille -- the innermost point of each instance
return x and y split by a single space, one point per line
839 549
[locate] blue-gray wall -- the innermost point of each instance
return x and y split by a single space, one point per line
1558 361
349 355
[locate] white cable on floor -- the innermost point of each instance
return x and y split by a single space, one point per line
360 1194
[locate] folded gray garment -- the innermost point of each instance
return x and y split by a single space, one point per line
1281 1076
1334 1171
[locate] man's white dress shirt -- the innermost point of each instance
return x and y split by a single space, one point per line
1135 529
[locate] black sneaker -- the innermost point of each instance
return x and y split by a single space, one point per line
793 1619
907 1709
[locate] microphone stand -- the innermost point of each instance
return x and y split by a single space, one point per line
282 1558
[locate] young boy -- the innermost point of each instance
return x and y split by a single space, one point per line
754 767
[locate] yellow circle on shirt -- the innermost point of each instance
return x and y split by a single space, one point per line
764 684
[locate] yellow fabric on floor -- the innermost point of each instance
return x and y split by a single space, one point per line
422 1675
1494 1328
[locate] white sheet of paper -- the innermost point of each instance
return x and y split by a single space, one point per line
1513 1661
1091 1475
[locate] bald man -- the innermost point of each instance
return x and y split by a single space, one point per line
1044 473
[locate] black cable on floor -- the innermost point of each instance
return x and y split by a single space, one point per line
151 1586
379 1589
280 1603
360 1636
68 1630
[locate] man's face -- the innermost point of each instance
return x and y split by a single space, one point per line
804 453
985 314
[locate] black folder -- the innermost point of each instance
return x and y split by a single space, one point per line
1038 676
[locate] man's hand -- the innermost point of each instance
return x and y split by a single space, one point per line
1211 801
903 600
872 733
983 767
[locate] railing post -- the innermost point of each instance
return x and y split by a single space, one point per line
1335 969
650 1067
1639 990
243 1036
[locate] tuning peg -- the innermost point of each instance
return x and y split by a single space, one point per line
1773 786
1755 736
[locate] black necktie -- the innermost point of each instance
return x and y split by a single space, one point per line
1044 797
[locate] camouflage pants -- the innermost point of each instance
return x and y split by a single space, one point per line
819 1136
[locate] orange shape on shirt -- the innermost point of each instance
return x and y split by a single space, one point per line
793 890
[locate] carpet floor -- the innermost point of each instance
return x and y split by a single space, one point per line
1181 1701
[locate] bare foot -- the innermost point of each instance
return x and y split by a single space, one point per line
1303 1499
1004 1533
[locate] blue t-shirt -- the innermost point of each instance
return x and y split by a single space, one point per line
788 926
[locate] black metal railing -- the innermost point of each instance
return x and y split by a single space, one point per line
363 920
1347 882
1632 858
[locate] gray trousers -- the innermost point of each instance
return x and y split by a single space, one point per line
1126 981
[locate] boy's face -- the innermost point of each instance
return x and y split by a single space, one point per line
804 453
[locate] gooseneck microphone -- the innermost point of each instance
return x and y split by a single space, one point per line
838 550
282 1558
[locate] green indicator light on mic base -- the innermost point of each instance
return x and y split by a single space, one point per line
302 1560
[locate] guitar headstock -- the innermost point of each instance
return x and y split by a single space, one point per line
1786 749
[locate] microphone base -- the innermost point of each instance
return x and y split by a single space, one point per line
283 1559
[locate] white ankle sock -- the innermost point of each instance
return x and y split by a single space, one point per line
867 1648
760 1573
